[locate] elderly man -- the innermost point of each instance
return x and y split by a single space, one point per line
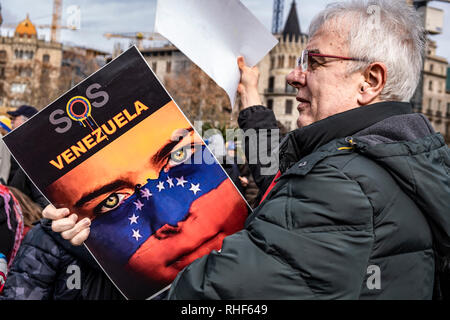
360 207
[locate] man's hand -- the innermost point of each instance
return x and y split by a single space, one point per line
65 223
248 86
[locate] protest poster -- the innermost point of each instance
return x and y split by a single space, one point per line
117 149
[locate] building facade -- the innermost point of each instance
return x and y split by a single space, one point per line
166 61
274 68
29 68
435 97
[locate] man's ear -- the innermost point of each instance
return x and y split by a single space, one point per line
370 89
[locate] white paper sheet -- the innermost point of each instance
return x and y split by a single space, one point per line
212 34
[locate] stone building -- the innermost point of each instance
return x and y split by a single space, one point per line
77 64
29 68
282 59
435 98
166 60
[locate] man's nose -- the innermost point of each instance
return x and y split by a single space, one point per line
297 78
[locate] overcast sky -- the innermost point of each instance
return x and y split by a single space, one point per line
114 16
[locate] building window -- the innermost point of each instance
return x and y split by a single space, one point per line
288 107
430 103
46 58
271 83
168 66
28 55
281 62
18 54
3 55
270 104
272 63
25 72
431 67
18 87
448 109
439 105
430 85
154 65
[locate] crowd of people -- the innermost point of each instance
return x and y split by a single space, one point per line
359 208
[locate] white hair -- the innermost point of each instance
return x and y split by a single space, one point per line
387 31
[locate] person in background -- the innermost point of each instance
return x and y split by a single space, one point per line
251 190
44 263
48 267
21 182
11 231
17 177
31 211
3 271
229 163
19 117
5 156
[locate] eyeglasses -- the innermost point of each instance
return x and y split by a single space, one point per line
306 63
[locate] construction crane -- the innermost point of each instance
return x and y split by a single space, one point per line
278 10
139 37
56 21
56 25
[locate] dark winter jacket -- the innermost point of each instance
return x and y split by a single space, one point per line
360 211
21 181
48 267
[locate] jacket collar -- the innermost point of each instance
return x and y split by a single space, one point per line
302 142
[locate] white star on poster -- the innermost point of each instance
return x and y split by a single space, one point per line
160 186
136 234
138 205
181 181
133 219
145 193
170 182
195 188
